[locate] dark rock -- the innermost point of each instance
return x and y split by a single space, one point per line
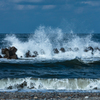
56 50
0 56
35 54
88 49
95 88
14 57
10 53
22 85
62 49
3 51
21 56
7 54
28 54
32 87
13 49
10 87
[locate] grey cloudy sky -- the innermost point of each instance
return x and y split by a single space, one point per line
24 16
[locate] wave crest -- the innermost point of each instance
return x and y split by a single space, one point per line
47 39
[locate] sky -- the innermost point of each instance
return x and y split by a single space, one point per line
25 16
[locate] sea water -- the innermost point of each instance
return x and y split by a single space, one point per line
72 70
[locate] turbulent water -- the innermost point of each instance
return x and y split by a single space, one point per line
73 69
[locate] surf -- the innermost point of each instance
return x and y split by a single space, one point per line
49 84
44 40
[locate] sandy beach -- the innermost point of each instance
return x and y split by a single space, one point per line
49 96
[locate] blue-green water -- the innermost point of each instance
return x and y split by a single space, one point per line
69 70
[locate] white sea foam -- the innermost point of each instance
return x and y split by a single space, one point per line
49 84
46 39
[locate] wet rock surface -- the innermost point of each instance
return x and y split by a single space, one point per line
35 53
49 95
56 51
9 53
62 49
0 56
28 54
89 49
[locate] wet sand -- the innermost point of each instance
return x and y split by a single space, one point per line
49 96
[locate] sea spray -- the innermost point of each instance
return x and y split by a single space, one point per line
44 40
49 84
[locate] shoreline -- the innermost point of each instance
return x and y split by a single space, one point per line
50 95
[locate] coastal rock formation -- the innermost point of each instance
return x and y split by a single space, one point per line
62 49
9 53
35 54
22 85
88 49
0 56
28 54
56 50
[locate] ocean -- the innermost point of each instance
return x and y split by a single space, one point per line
72 70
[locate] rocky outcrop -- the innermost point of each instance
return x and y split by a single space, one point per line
9 53
62 50
22 85
89 49
28 54
0 56
35 54
56 51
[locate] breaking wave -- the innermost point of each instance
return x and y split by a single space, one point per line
49 84
69 70
44 40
